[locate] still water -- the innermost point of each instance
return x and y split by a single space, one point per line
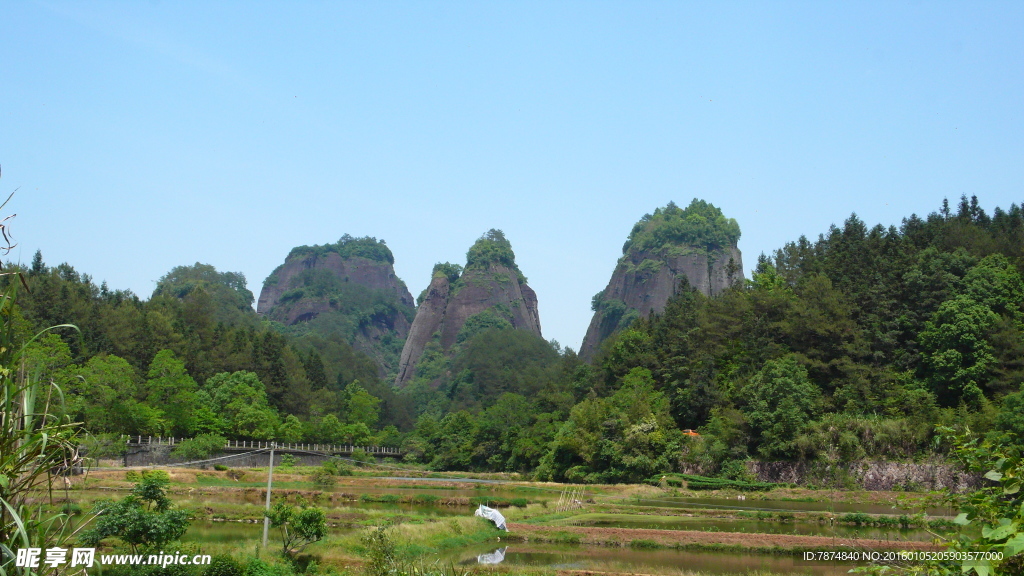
784 506
628 560
743 526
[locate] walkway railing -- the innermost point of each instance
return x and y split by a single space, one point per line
261 444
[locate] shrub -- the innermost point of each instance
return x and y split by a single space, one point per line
323 477
223 565
200 447
337 467
362 456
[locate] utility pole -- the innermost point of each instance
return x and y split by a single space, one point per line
270 482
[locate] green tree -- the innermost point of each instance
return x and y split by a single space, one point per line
996 283
299 527
360 406
200 448
291 429
779 401
241 400
107 385
626 437
957 357
170 387
145 519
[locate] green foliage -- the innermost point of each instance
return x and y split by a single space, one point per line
624 438
360 406
477 323
493 249
144 520
227 291
199 448
337 467
991 519
324 477
496 361
223 565
779 401
381 552
240 399
695 482
957 357
450 271
299 527
141 367
347 247
847 438
36 441
700 224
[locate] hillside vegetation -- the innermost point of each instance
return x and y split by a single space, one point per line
854 345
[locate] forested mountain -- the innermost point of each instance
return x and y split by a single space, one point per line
490 292
138 366
347 289
851 346
848 347
695 245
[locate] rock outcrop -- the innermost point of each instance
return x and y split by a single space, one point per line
490 291
697 244
348 288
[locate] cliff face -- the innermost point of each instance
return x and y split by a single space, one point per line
486 294
653 265
349 289
355 269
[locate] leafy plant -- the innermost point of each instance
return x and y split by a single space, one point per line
145 519
324 477
36 442
299 527
200 448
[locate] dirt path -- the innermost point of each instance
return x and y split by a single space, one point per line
623 537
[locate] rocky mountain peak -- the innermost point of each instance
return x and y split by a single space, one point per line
348 289
697 243
490 291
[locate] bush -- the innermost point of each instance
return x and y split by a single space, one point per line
200 447
363 457
220 468
323 477
694 482
223 565
337 467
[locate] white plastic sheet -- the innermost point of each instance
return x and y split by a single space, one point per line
492 515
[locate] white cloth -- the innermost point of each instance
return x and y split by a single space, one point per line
493 515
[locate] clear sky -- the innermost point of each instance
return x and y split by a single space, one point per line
145 135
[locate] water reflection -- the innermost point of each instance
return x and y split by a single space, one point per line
496 557
634 561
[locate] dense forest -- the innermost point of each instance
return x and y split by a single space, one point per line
854 345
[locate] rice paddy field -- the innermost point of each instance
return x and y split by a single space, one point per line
551 528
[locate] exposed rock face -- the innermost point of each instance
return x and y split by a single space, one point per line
447 304
355 269
645 278
349 288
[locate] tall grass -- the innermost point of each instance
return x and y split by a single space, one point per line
37 444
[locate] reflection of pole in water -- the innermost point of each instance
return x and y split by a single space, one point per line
496 557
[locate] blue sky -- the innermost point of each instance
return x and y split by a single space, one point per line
145 135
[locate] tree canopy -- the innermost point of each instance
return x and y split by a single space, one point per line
699 225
